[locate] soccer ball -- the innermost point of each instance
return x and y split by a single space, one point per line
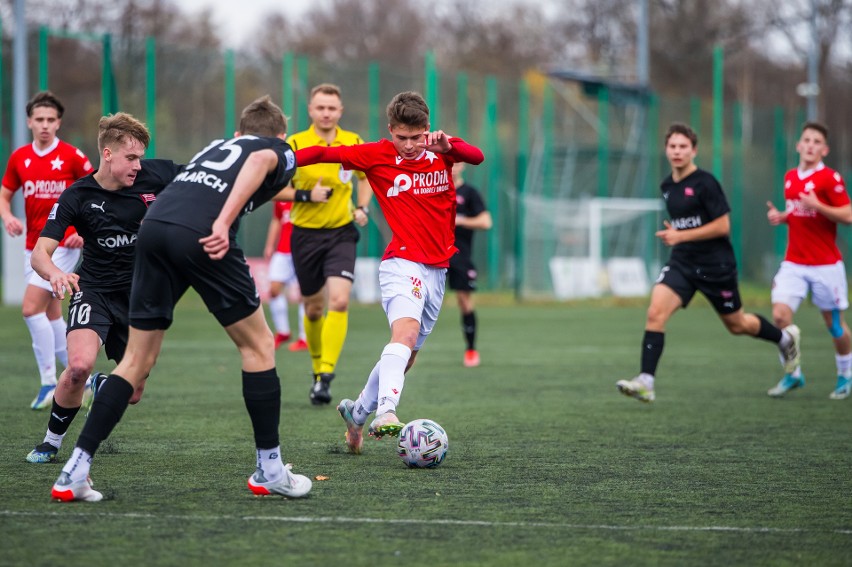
422 444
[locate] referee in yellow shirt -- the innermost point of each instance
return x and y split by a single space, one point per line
324 236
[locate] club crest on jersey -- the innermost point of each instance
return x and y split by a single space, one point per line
148 198
344 175
688 192
415 291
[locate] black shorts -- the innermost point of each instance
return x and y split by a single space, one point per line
462 273
170 260
321 253
718 284
104 312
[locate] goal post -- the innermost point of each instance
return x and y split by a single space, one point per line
614 247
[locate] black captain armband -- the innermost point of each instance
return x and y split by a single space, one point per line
302 196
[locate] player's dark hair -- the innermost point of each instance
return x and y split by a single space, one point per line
326 88
408 109
819 127
116 129
263 118
45 98
684 130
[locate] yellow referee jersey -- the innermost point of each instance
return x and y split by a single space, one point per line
339 208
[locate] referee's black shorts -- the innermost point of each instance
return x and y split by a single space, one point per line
170 260
320 253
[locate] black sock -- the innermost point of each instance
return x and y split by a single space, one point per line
262 395
60 418
469 329
768 331
107 409
652 350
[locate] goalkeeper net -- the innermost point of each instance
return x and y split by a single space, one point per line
592 247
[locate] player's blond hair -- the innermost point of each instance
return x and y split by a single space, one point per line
116 129
263 118
327 89
408 109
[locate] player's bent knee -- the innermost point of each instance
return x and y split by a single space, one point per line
76 376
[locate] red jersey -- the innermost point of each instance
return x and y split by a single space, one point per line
282 213
44 175
812 237
417 197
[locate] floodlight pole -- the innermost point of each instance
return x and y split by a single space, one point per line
642 49
13 248
813 66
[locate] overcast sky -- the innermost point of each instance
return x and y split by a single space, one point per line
237 18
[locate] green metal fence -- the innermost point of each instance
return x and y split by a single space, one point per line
551 145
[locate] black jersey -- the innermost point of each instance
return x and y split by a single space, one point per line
469 203
693 202
196 196
108 221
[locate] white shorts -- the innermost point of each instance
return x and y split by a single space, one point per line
414 290
281 268
65 259
827 285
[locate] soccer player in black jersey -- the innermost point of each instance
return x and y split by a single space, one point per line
702 259
188 240
106 207
471 215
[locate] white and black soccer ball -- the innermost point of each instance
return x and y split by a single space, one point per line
422 444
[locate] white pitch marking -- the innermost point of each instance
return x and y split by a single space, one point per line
474 523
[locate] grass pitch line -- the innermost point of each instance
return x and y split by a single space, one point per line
473 523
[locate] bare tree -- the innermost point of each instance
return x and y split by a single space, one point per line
504 43
797 23
391 31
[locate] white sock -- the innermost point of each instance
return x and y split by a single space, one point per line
392 376
53 439
43 347
278 310
797 373
78 465
270 464
844 365
368 400
786 339
302 334
647 380
60 346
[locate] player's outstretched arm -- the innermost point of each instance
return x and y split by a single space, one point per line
42 263
317 154
255 169
468 153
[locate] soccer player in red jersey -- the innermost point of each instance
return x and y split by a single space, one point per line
283 284
411 177
43 169
816 200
